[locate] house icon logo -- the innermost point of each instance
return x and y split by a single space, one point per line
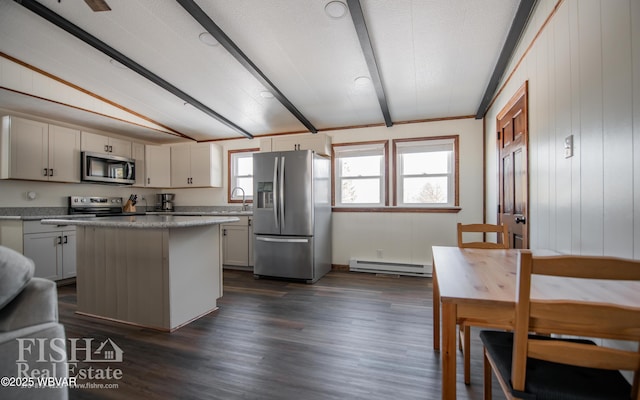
108 351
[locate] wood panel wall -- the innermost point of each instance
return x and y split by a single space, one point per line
582 61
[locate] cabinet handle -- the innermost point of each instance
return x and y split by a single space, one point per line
46 171
66 239
148 180
110 149
59 240
50 171
224 232
106 148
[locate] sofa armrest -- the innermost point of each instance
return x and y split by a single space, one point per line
36 304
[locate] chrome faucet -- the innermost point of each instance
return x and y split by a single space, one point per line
244 204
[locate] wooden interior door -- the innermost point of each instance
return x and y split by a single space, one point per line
513 175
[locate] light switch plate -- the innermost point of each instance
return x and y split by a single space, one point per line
568 146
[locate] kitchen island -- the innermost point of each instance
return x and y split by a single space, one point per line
156 271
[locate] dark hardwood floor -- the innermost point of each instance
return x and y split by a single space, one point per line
348 336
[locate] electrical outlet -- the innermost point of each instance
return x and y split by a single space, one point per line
379 253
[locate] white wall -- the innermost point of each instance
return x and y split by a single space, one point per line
402 237
408 237
48 194
584 80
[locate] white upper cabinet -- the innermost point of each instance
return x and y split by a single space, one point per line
196 165
319 142
106 145
157 162
38 151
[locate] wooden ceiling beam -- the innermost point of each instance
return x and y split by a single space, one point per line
355 10
520 20
207 23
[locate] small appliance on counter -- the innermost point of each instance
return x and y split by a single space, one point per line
164 202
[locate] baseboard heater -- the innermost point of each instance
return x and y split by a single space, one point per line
388 267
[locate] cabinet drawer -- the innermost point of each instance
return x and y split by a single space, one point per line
37 227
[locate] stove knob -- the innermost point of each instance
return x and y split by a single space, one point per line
84 200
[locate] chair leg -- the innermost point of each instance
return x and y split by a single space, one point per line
460 337
487 376
467 354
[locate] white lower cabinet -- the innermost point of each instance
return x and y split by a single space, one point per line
52 249
237 251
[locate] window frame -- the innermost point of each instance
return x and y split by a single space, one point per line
384 178
455 174
232 177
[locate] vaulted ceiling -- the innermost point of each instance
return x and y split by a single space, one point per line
218 69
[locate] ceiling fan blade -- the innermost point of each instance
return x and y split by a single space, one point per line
98 5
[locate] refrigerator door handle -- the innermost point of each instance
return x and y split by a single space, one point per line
282 240
275 193
281 194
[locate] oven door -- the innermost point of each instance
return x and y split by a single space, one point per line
97 167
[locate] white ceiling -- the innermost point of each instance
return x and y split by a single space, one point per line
435 59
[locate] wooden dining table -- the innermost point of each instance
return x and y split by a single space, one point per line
479 287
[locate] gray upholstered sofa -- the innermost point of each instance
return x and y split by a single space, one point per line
32 341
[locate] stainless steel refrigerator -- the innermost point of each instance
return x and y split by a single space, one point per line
292 215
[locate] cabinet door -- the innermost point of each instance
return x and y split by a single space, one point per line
235 245
137 152
180 165
119 147
68 254
285 143
94 143
45 250
319 142
105 144
28 149
157 166
64 154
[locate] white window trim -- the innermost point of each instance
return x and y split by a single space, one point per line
233 177
360 150
424 145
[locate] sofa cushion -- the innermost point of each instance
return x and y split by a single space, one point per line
15 272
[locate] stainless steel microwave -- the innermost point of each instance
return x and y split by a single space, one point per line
104 168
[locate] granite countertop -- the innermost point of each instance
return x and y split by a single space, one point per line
204 213
39 217
143 221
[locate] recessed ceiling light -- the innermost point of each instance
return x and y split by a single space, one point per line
335 9
362 81
266 94
208 39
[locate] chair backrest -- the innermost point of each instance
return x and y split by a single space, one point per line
591 319
501 230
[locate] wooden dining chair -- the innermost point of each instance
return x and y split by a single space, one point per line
501 231
503 243
544 367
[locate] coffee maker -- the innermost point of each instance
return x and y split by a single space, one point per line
164 201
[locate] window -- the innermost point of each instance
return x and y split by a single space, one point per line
360 172
426 172
241 174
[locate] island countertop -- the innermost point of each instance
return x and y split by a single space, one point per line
142 221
